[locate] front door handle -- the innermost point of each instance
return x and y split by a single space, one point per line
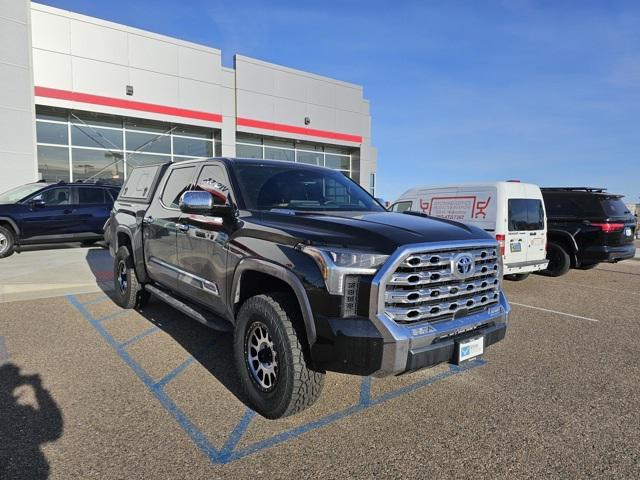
67 211
183 227
148 219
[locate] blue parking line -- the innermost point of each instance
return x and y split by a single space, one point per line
137 338
109 316
180 368
194 433
95 300
229 451
4 352
363 405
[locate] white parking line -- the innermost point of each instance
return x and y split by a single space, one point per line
555 311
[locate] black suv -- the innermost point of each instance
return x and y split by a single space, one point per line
308 270
54 212
586 226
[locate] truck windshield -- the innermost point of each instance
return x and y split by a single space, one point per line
267 187
17 194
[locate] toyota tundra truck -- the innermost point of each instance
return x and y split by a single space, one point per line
309 272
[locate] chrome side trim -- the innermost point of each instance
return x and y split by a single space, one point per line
189 278
399 339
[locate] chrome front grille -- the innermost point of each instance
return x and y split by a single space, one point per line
428 286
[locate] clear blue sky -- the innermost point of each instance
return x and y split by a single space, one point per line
461 91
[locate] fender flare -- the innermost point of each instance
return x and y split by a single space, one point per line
136 251
565 236
13 224
281 273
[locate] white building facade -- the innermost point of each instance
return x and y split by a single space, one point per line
87 99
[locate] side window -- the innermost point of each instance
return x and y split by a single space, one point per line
401 207
179 181
213 176
90 196
55 196
525 214
561 206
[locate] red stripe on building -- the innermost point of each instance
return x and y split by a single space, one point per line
279 127
128 104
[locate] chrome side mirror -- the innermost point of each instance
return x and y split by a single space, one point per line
197 202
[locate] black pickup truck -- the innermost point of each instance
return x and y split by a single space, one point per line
308 270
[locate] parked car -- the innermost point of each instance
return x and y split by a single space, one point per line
586 226
308 270
511 211
54 212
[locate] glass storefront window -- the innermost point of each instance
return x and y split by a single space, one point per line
97 165
248 138
338 162
148 142
151 126
87 136
95 119
53 163
52 113
312 158
189 131
279 142
191 147
279 154
52 133
248 151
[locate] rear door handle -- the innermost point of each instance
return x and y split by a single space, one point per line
67 211
183 227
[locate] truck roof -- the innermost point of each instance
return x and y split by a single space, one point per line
501 184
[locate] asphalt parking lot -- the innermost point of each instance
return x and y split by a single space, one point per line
90 391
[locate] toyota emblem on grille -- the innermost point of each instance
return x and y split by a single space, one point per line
462 265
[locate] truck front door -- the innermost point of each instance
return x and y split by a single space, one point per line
202 247
160 227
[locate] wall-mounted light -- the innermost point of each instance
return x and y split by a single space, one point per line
129 90
307 120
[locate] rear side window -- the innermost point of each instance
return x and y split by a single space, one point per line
525 214
179 181
614 207
88 196
561 206
140 183
401 207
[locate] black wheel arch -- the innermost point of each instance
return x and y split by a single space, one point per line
11 222
124 237
280 274
567 241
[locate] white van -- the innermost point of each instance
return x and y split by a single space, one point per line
511 211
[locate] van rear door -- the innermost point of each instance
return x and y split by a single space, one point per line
525 236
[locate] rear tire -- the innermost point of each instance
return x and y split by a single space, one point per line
516 277
7 242
559 260
588 266
269 357
129 292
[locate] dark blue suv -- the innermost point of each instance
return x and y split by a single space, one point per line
48 213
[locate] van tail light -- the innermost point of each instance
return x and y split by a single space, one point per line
500 238
609 227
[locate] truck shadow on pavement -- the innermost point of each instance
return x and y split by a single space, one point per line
23 427
211 349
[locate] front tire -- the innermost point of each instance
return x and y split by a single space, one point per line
129 293
7 242
269 357
516 277
559 260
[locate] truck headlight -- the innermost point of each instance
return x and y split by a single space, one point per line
336 263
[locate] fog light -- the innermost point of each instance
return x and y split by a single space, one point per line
350 297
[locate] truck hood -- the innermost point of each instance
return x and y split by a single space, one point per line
379 231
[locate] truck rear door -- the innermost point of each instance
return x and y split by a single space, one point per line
525 238
161 224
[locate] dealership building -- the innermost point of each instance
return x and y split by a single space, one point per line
87 99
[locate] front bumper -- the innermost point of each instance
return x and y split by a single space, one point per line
605 253
411 347
381 347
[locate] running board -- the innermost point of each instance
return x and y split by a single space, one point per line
193 311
